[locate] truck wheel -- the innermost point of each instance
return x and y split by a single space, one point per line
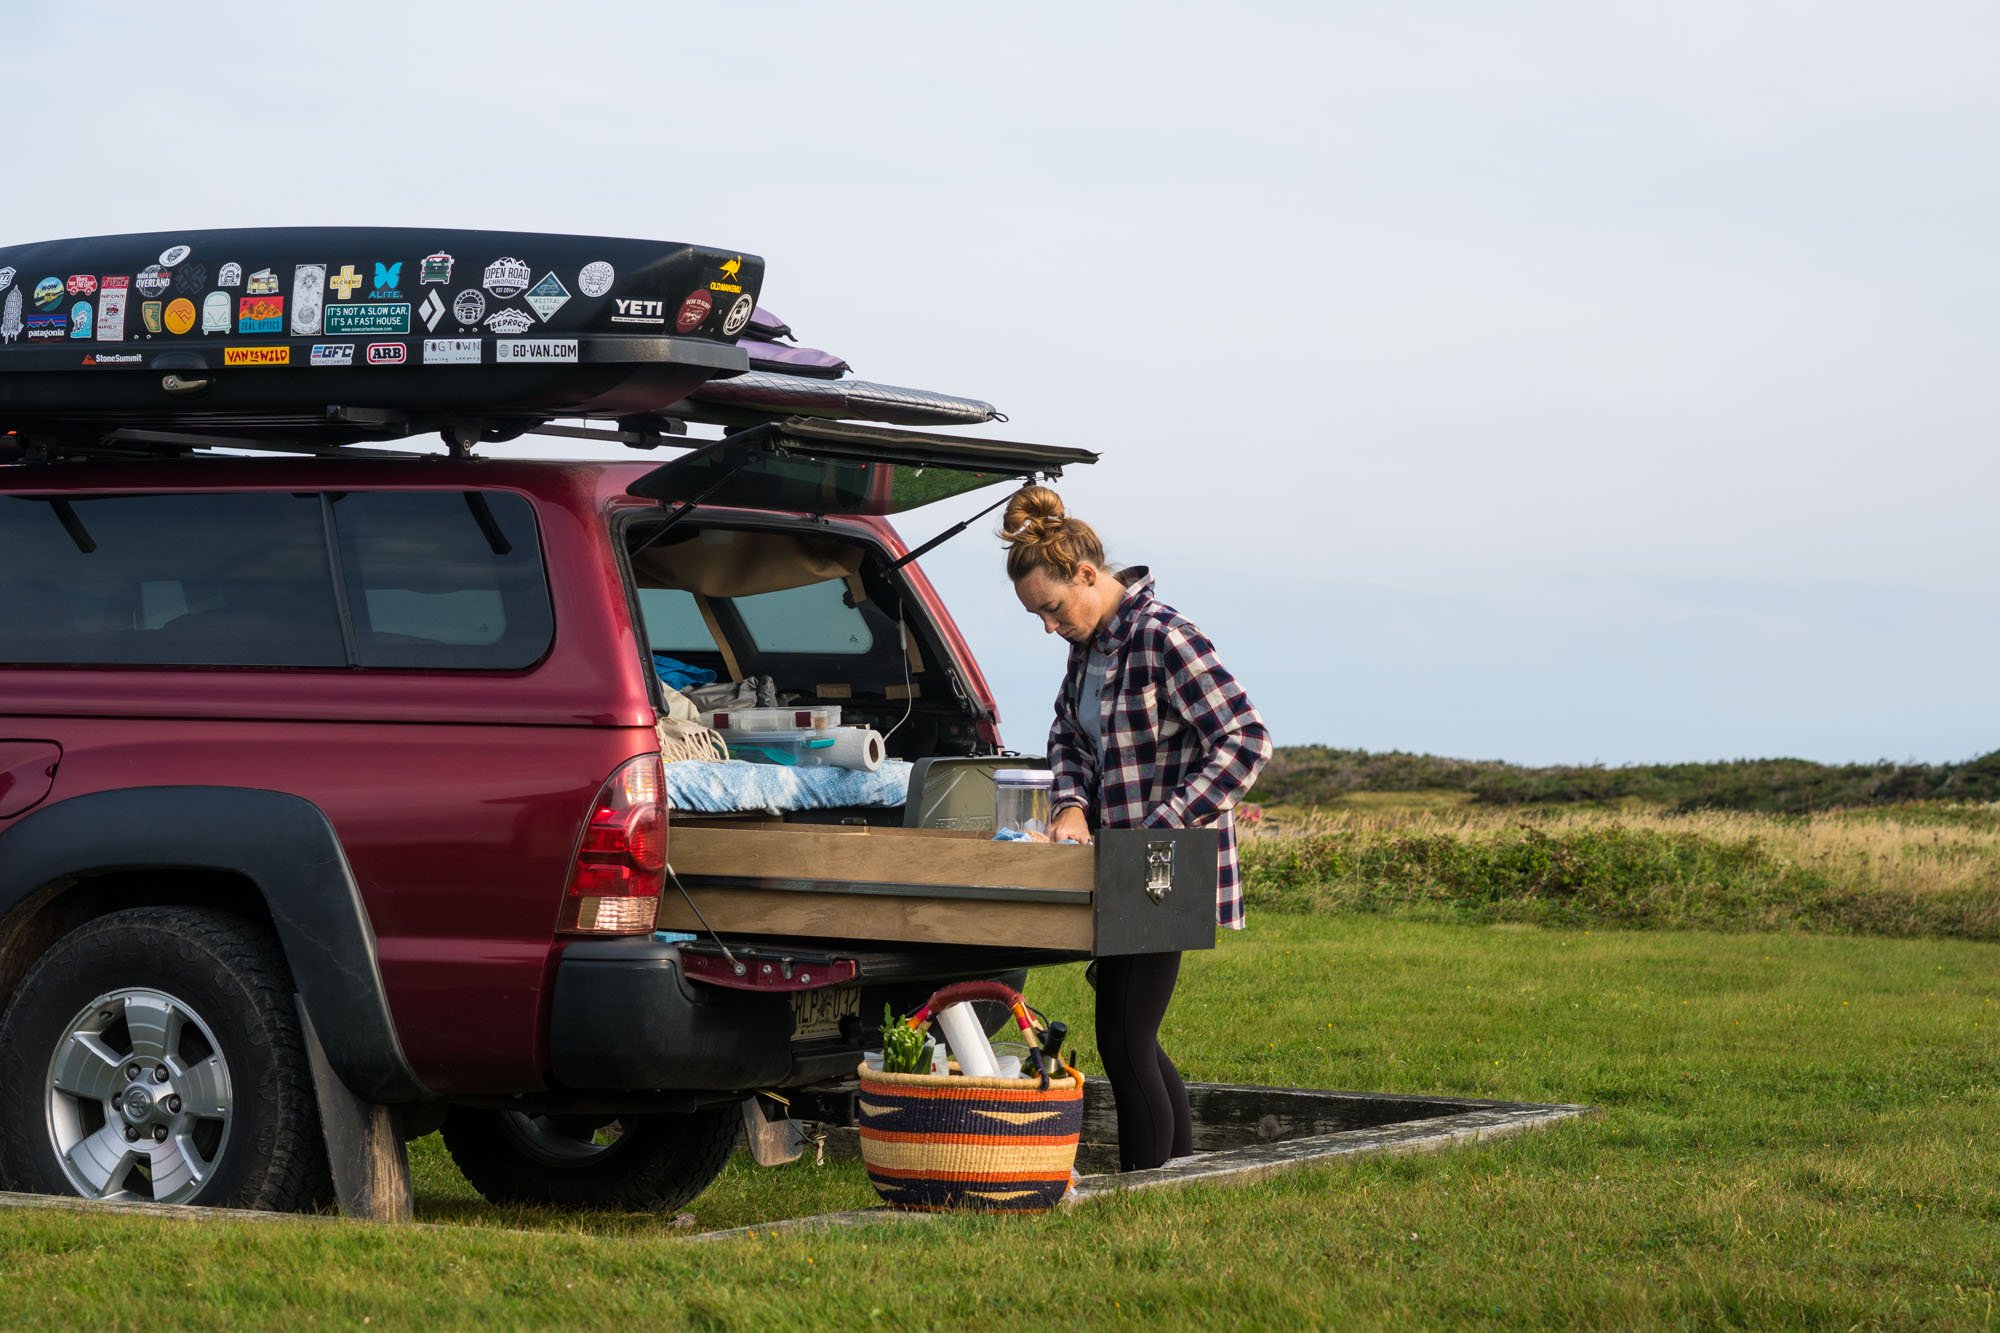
634 1163
154 1055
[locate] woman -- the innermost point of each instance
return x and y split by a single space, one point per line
1150 732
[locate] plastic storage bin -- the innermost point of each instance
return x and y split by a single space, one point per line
819 717
1021 800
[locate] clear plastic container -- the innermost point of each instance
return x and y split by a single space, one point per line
1021 800
818 717
839 747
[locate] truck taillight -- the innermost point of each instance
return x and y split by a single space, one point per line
614 887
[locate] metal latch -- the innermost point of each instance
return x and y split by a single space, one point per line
1159 870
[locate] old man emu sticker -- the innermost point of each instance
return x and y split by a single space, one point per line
251 335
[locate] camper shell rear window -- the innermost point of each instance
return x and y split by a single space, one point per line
382 579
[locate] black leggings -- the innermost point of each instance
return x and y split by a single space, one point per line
1153 1121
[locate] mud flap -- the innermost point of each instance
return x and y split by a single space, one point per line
371 1167
774 1137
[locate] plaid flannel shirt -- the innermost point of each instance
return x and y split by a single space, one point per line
1181 740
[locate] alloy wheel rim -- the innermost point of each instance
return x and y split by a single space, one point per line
139 1099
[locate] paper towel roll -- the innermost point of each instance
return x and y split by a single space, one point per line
962 1032
854 747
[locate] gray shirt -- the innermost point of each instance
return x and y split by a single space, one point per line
1089 709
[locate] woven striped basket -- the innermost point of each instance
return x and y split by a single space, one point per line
934 1142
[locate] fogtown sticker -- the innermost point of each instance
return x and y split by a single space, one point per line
535 349
451 351
596 279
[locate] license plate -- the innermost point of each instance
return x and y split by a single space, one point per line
817 1013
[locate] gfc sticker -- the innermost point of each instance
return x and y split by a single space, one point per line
256 356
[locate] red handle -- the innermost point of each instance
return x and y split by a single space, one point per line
959 992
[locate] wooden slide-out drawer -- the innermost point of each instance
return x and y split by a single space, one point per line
1133 891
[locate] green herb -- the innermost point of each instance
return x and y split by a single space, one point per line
905 1050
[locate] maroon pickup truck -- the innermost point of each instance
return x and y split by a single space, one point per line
328 772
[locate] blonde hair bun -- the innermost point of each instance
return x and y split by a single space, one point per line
1040 534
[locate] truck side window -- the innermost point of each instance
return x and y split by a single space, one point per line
169 580
444 579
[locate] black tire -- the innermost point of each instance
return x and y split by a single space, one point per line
654 1163
229 975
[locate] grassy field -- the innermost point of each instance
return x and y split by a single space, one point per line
1908 870
1798 1130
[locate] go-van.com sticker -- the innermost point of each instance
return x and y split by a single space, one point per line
174 254
535 349
596 279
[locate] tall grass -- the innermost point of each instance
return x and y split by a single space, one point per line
1927 870
1316 774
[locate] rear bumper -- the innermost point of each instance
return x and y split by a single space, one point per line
626 1018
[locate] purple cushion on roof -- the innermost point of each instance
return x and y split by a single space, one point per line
765 326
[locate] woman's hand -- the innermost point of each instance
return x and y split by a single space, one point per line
1069 824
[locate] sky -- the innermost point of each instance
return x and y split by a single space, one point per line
1546 382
